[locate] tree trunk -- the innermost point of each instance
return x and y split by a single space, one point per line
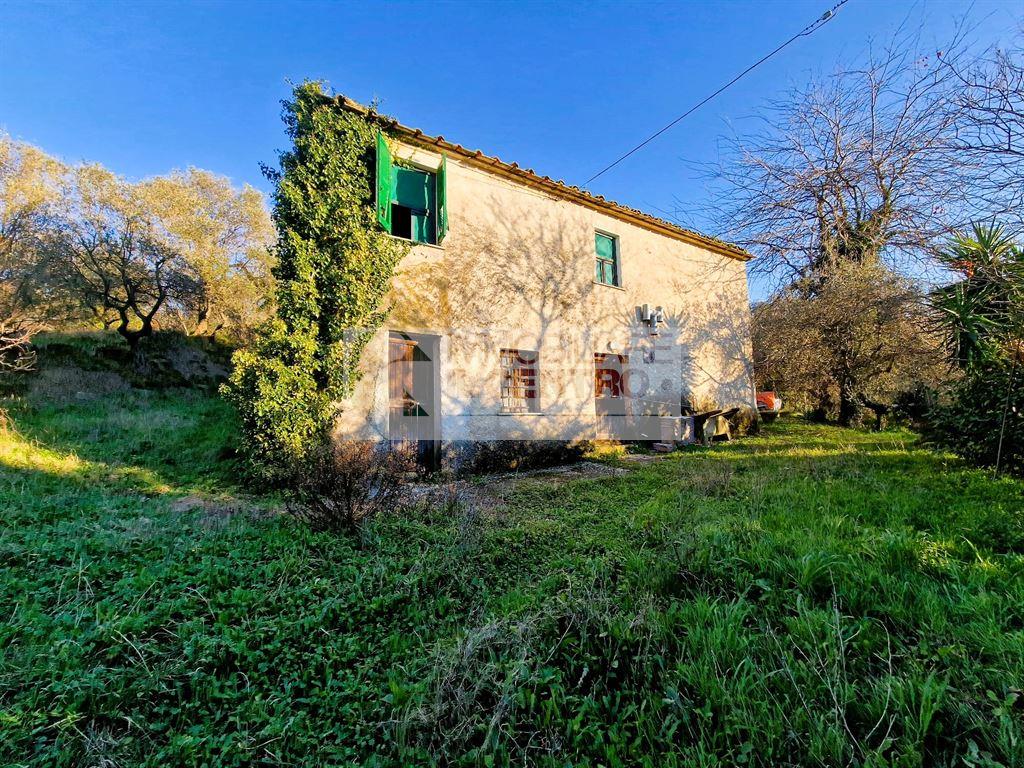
848 409
134 338
880 410
202 318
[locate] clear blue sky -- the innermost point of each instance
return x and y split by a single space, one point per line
145 87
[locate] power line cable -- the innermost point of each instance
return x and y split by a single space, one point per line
809 29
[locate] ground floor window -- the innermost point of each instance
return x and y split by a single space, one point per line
609 375
519 375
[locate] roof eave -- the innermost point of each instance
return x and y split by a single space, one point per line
555 188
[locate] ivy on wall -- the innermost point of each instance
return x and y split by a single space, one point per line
334 268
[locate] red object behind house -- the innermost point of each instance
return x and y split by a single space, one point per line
769 401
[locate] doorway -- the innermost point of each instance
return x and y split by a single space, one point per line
414 413
610 393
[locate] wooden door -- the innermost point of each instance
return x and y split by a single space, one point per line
413 410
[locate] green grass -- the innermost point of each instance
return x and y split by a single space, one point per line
812 596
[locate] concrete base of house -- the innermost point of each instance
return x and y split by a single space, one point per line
468 456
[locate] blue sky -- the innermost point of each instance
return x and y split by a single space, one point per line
562 88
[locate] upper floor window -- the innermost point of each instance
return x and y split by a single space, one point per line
606 270
519 374
411 203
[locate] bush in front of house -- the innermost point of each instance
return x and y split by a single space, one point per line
746 422
334 269
467 457
342 486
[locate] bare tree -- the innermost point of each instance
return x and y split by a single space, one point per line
990 99
858 166
855 178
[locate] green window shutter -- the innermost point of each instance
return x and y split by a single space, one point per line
442 199
417 191
607 259
383 182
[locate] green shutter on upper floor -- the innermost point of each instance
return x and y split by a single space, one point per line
607 259
416 190
442 199
412 188
383 182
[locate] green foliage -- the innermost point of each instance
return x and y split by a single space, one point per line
813 596
983 315
985 309
972 422
334 269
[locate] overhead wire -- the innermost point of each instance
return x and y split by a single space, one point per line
808 30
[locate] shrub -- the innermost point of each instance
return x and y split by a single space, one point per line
971 422
339 487
746 422
333 272
282 412
504 455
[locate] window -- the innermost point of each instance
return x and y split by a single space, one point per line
414 204
607 265
609 380
519 381
411 203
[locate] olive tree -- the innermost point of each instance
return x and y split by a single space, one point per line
28 190
860 341
107 253
224 234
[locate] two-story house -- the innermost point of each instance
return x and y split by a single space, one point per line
528 309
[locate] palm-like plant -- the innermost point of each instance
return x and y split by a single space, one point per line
983 316
984 311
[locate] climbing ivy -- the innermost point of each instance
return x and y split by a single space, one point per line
334 269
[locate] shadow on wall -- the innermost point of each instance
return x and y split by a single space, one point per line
523 279
710 311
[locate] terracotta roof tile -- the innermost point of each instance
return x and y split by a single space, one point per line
560 188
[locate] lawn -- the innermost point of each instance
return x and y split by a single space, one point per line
812 596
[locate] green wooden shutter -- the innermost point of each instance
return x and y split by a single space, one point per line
442 199
383 182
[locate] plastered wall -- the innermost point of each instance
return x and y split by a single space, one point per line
516 271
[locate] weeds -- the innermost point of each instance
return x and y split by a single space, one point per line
808 597
341 486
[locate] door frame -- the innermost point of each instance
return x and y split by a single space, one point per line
428 452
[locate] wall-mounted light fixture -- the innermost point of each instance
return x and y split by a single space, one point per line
652 318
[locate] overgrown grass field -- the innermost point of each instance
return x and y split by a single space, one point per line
812 597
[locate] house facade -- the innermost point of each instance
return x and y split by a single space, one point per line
528 309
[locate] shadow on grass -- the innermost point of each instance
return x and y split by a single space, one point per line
152 442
